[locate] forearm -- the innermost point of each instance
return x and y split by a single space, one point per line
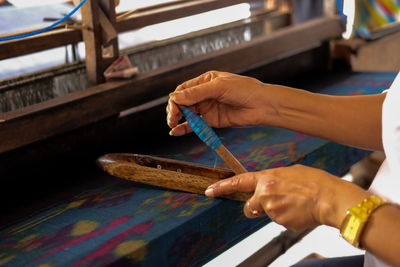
381 235
350 120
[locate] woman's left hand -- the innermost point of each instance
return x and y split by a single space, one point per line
297 197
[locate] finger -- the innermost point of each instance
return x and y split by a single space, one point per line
168 110
173 114
255 206
259 203
252 208
196 94
203 78
272 205
245 182
181 129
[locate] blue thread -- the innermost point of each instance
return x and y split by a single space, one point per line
201 128
216 160
44 29
339 6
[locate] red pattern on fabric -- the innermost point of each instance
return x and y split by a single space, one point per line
113 224
115 241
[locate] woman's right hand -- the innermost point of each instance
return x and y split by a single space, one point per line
223 100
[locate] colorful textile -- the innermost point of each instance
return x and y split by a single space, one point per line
367 16
129 224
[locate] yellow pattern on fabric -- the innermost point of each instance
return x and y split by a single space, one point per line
75 204
256 136
133 249
195 206
25 241
84 227
153 199
6 259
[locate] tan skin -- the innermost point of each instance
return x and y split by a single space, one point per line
297 197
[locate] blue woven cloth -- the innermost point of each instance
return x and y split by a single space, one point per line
129 224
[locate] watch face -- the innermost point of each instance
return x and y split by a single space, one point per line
351 229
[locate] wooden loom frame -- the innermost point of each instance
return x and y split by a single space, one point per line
20 127
141 18
41 121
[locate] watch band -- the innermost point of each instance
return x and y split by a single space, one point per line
356 218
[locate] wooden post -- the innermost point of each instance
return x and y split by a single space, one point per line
287 6
101 39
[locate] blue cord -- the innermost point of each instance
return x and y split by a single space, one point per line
201 128
339 6
44 29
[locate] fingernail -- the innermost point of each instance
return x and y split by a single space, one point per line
179 131
210 192
170 133
172 96
175 96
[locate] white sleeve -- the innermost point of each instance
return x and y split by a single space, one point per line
391 126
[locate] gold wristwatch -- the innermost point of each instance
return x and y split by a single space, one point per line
356 218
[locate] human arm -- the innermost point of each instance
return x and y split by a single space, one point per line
300 197
226 100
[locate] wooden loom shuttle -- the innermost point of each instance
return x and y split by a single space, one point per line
230 160
167 173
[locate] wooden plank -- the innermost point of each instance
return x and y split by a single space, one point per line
40 121
163 172
167 13
143 17
93 41
127 13
38 43
96 14
287 6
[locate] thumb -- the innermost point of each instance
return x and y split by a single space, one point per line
196 94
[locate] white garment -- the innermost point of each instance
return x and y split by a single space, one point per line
387 180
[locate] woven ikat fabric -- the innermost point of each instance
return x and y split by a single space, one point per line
129 224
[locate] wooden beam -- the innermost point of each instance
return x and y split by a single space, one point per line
48 40
148 17
101 45
40 121
125 14
143 17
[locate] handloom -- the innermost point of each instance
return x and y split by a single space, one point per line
57 122
127 223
